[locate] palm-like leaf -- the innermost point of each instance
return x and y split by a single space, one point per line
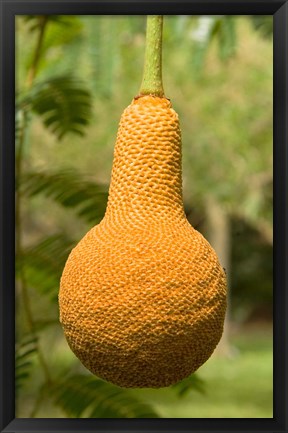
44 263
25 350
87 396
69 189
64 104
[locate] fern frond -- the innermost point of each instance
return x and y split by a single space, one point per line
87 396
69 189
64 104
44 263
25 350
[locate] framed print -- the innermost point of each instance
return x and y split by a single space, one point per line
144 216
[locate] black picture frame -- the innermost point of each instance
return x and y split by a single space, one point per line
279 10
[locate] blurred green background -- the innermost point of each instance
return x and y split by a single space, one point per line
74 77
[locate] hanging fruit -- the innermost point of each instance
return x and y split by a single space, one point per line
143 295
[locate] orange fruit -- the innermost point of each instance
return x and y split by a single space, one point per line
143 296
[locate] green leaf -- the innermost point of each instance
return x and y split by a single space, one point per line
63 103
191 383
69 189
263 24
25 351
83 396
44 263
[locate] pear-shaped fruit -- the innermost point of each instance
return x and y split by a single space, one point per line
143 296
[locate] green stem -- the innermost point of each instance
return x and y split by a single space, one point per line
43 21
152 75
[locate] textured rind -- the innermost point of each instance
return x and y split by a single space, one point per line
142 296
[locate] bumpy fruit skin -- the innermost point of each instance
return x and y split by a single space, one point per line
143 296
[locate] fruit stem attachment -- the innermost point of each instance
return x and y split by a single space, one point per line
152 75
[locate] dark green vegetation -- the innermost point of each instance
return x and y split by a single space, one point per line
74 77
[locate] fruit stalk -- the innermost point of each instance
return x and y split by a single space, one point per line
152 75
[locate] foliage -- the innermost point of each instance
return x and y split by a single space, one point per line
218 28
82 395
63 104
25 351
44 263
61 32
263 24
70 189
